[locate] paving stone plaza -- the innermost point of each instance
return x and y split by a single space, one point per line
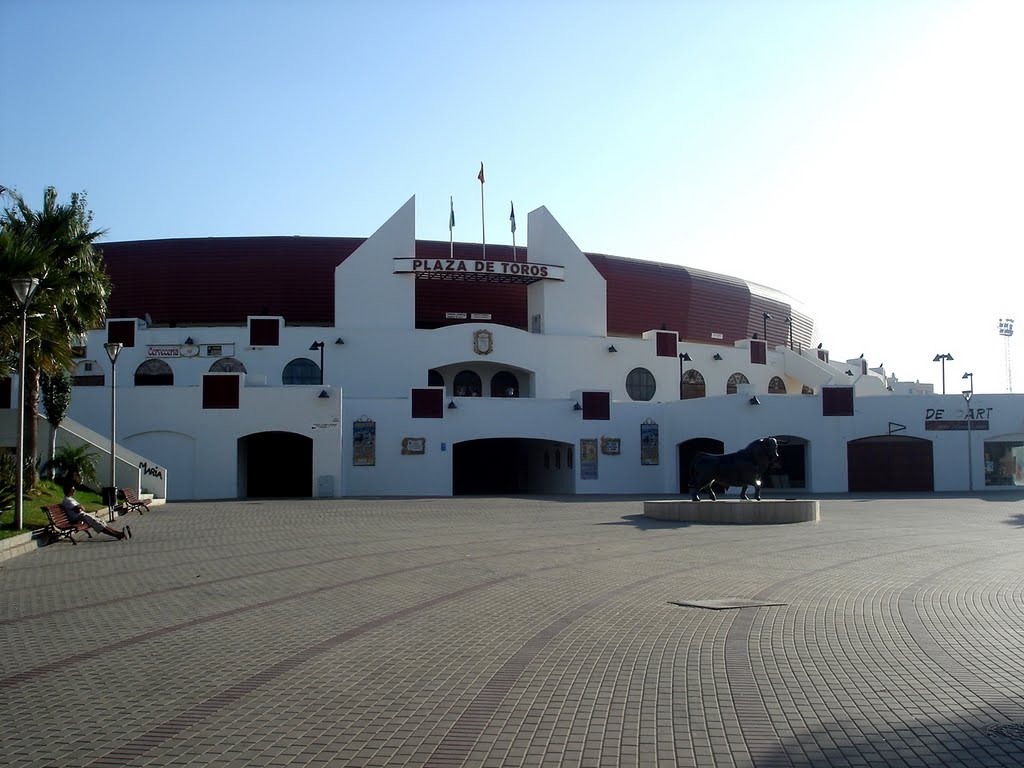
520 632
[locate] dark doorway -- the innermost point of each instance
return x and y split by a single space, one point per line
275 464
511 465
890 463
791 471
691 448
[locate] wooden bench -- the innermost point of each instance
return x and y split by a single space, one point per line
60 526
132 502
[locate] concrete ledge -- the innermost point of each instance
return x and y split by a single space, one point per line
735 511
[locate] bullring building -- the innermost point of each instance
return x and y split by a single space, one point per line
388 366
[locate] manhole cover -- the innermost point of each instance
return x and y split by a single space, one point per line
1013 731
724 603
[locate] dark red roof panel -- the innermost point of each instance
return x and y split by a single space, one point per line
222 281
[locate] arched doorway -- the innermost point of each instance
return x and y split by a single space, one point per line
791 471
691 448
512 465
275 464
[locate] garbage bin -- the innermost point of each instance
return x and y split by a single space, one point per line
109 496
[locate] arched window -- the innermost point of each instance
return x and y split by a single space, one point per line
640 384
734 383
504 384
693 385
153 373
227 365
805 390
434 378
776 386
467 384
88 373
301 370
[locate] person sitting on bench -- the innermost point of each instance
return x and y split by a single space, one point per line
76 513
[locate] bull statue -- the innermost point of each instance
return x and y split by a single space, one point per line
743 468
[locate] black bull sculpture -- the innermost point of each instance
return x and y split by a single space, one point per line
743 468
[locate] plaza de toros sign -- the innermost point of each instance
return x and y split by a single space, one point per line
479 269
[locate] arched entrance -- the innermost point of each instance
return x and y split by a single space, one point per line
688 450
512 465
890 463
275 464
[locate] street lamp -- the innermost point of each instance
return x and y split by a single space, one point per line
943 358
319 345
683 357
765 317
113 350
23 287
789 322
968 393
970 376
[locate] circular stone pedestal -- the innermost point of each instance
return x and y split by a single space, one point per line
735 511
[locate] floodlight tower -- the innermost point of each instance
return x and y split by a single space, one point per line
1006 331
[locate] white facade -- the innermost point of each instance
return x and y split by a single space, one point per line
383 358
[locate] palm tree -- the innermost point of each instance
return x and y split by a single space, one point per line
56 245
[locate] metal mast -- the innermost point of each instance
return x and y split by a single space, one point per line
1006 331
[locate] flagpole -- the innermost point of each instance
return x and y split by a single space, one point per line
512 218
483 230
451 227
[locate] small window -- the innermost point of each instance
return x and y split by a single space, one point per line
122 331
154 373
427 403
837 401
264 332
467 384
220 391
504 384
693 385
640 384
776 386
732 386
87 373
227 365
596 405
301 371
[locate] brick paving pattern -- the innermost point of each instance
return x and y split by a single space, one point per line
498 632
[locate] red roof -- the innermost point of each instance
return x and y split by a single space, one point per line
223 280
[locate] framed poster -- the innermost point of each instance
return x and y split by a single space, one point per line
364 442
588 459
648 443
611 446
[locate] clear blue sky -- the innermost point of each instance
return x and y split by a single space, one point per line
864 157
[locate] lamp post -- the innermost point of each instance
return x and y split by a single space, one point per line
113 350
970 376
765 317
319 345
683 357
789 322
968 393
23 287
943 358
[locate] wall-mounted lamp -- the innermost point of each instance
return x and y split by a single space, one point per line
451 405
754 400
189 342
849 372
319 345
717 356
324 394
819 345
685 357
612 348
339 340
765 317
577 407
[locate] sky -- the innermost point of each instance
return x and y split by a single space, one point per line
865 158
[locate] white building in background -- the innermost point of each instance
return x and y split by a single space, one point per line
417 400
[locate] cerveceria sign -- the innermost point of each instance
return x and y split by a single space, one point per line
479 269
